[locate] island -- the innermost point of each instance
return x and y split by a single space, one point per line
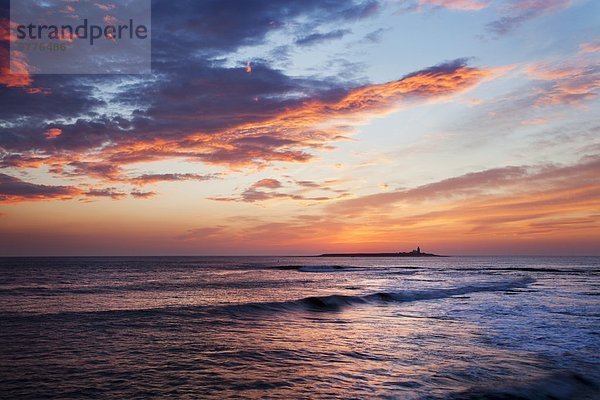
414 253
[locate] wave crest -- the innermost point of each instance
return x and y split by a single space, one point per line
336 302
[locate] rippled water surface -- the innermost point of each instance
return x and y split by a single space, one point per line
419 328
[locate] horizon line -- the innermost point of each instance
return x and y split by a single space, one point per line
290 256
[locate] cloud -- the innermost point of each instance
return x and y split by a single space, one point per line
204 233
308 184
105 7
53 133
14 66
493 182
156 178
65 98
590 47
463 5
99 170
570 84
520 11
316 123
513 13
187 34
257 193
198 110
268 183
520 209
374 36
142 195
14 190
238 135
438 81
221 26
19 77
317 38
432 5
254 193
469 184
106 192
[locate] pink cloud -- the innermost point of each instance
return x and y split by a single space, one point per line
463 5
571 84
105 7
590 47
483 183
268 183
257 193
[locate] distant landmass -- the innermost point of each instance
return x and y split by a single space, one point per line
414 253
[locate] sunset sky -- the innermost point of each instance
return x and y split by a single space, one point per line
302 127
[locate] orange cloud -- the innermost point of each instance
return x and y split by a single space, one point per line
5 30
315 124
288 136
19 75
14 68
53 133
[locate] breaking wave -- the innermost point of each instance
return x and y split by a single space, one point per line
336 302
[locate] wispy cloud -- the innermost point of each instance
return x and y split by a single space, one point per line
497 207
411 6
105 192
156 178
464 5
573 83
591 47
267 189
142 195
517 12
317 38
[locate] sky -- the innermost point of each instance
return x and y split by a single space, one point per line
465 127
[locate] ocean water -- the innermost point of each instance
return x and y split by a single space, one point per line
288 328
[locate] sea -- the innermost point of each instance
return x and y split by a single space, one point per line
300 328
